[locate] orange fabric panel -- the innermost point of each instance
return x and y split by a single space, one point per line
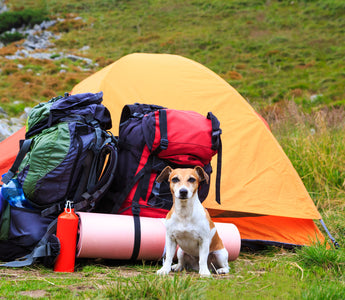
9 149
257 176
276 229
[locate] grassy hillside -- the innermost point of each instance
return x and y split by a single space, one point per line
270 51
285 57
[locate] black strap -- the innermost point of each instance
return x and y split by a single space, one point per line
137 238
42 249
163 128
24 148
219 171
217 145
136 219
57 207
141 192
90 200
126 191
145 181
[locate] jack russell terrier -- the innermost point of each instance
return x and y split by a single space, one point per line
189 225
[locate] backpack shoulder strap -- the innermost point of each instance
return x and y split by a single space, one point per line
24 148
91 197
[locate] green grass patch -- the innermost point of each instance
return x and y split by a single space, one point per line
8 37
273 274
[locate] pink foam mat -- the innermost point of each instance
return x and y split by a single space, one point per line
112 237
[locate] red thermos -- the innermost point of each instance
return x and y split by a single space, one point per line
67 229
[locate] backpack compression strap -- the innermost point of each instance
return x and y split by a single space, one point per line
216 145
46 247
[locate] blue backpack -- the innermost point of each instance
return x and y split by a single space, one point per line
67 154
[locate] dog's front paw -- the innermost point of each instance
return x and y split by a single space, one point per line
224 270
177 268
163 271
204 272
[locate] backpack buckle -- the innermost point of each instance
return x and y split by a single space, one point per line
7 177
164 144
217 132
135 209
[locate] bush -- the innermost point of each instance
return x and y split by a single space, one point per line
8 37
16 19
322 256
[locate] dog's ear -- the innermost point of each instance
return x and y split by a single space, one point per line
164 174
202 174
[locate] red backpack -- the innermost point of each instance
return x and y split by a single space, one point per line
150 138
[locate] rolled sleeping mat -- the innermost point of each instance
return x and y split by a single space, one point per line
114 237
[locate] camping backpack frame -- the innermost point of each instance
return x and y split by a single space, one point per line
152 137
67 155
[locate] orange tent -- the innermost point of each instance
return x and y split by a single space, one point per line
261 193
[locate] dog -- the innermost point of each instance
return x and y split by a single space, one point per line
188 224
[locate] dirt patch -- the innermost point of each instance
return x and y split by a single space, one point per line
34 294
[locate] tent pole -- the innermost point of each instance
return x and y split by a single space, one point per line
335 243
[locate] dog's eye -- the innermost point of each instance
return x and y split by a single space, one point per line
175 180
191 180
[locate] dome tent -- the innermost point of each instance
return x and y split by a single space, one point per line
261 193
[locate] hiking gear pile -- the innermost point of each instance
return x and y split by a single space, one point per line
67 154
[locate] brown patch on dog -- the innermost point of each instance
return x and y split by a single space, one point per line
216 243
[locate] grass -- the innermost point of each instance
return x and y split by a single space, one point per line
284 57
306 137
270 51
272 274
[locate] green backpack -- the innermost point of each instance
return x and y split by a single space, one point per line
67 154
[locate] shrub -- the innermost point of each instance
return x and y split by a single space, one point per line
8 37
16 19
322 255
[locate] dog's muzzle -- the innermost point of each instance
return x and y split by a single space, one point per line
183 193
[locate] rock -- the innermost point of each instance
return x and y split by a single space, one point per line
75 58
39 38
12 125
46 24
8 126
85 48
3 7
314 98
2 112
4 129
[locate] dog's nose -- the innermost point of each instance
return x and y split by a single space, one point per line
183 193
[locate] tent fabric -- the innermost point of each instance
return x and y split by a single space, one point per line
9 149
254 164
257 176
274 230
